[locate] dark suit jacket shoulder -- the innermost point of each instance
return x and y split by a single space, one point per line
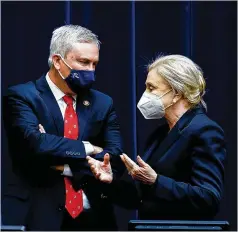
189 160
34 191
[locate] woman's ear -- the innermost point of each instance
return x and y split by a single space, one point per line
177 96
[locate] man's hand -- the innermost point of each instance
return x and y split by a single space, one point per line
142 172
101 169
41 129
59 167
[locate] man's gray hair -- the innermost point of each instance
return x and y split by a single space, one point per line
183 75
64 38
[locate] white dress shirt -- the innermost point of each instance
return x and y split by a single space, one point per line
87 145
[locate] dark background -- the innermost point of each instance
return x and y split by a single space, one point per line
132 34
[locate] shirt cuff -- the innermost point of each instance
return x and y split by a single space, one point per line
88 147
67 171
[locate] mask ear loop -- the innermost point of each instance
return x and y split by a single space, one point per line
65 64
165 93
64 61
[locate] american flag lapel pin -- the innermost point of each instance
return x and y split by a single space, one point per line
86 103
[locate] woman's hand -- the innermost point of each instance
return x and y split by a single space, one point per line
142 172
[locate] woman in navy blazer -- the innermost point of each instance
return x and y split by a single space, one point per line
181 174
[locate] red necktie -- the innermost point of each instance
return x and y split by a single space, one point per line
74 200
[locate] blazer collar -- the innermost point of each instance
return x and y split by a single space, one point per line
167 138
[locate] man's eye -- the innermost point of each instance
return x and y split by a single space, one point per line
84 62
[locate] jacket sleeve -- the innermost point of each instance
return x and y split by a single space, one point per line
203 191
111 143
22 124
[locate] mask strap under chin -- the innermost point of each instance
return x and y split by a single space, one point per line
61 75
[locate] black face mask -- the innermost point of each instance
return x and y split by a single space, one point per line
79 79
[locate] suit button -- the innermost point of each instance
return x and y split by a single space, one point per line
103 196
61 208
141 201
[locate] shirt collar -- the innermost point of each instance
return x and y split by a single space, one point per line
55 90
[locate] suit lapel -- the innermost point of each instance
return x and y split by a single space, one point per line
83 110
172 136
51 103
168 141
156 139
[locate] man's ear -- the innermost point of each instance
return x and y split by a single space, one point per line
56 61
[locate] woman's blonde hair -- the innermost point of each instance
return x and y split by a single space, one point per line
184 76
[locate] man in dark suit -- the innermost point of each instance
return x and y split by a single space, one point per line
52 124
180 176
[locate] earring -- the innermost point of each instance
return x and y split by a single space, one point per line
174 101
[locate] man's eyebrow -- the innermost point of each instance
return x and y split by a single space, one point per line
86 58
82 58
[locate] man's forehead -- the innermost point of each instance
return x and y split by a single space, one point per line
86 50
